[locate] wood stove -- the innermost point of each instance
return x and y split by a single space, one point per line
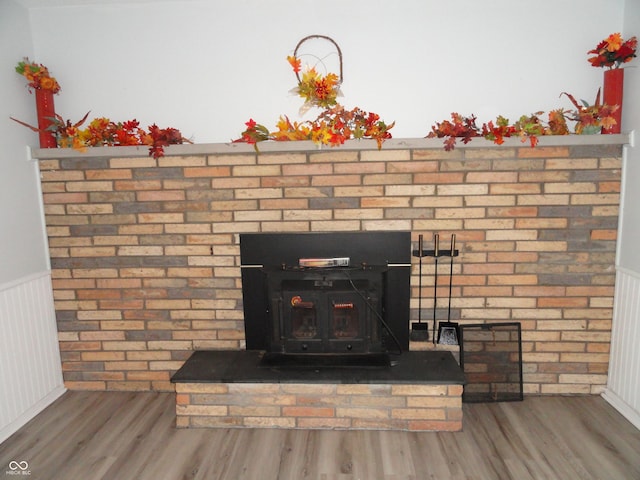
344 295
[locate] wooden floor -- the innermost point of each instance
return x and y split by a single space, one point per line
127 436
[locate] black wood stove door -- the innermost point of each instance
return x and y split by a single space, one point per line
325 311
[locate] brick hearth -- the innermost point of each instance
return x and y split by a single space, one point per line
325 406
420 391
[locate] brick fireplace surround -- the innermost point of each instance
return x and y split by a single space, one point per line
145 253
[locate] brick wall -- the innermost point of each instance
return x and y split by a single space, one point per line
145 254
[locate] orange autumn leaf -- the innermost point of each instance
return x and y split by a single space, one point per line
295 63
614 42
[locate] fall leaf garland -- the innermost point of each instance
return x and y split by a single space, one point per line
333 126
589 119
100 131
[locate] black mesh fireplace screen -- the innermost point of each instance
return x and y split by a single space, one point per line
491 358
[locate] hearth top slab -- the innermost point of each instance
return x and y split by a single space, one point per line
188 149
243 366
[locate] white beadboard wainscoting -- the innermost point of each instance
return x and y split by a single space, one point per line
623 385
30 367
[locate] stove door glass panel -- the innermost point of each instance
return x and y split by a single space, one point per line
304 322
345 323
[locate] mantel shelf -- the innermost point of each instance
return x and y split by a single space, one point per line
307 146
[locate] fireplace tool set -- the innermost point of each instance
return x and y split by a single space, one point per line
447 331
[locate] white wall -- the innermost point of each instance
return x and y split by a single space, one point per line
22 250
30 371
206 67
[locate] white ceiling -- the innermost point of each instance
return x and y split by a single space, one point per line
65 3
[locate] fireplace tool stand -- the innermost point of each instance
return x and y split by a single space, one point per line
447 331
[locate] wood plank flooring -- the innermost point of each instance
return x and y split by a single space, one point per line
113 435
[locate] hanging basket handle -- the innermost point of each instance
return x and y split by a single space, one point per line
295 52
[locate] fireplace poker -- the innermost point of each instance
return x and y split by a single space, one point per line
453 249
436 252
419 331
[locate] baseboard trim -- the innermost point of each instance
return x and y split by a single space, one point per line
622 407
30 413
